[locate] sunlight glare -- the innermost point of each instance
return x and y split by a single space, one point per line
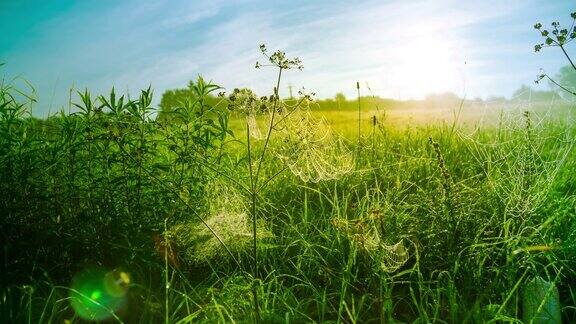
428 64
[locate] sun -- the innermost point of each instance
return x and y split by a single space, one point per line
428 64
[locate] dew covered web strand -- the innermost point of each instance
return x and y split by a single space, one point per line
393 256
389 258
310 150
253 127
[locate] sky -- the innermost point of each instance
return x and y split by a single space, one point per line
395 48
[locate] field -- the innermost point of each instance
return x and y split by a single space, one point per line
243 209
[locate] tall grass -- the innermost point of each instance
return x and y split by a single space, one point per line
438 223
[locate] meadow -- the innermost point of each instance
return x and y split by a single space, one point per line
231 207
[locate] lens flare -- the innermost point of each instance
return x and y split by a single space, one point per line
97 294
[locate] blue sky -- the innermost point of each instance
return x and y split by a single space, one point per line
401 49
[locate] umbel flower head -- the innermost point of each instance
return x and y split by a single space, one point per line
279 59
310 151
244 101
248 104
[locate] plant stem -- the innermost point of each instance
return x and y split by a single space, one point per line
359 116
270 126
254 238
373 136
568 57
560 86
359 113
254 190
166 283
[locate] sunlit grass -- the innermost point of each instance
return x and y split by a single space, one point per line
243 209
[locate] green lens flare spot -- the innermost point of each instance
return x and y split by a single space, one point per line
97 294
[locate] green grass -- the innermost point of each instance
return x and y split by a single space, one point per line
441 219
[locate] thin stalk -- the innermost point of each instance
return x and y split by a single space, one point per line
511 293
30 305
262 186
346 278
140 160
373 136
270 127
306 206
560 86
567 56
254 238
254 190
70 100
381 300
359 113
359 118
166 282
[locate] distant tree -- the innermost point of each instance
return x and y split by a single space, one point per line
175 98
496 99
443 97
446 99
526 93
566 76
